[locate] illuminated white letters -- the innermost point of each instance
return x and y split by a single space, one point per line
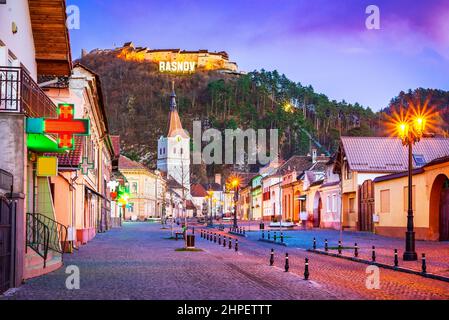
177 66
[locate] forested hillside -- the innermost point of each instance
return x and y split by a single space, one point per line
137 100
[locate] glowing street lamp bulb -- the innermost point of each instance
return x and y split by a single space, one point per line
403 130
420 123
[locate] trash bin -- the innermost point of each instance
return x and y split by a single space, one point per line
190 241
262 226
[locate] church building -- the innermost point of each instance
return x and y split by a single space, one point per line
174 150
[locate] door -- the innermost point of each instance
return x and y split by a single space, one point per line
444 212
317 218
366 194
6 244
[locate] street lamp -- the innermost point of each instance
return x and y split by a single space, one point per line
410 129
210 195
234 183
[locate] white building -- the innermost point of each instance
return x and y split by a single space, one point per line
174 149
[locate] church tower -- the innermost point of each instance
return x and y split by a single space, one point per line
174 149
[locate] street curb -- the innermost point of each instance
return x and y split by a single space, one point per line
382 265
273 242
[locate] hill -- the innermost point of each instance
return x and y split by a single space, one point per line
137 100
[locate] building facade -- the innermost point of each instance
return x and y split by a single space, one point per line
430 202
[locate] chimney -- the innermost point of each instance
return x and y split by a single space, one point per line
314 152
218 178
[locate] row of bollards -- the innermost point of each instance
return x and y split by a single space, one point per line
239 230
212 236
287 264
373 254
275 237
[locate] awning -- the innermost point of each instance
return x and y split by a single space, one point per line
96 193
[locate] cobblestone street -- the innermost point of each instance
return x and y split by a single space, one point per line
139 262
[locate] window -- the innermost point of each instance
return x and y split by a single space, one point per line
348 172
406 198
334 203
385 201
328 204
134 187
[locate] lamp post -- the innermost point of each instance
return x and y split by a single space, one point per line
410 131
234 183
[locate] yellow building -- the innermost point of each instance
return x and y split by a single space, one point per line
360 160
430 194
142 190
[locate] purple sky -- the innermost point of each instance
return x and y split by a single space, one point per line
320 42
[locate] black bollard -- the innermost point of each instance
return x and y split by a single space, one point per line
339 247
396 260
211 238
201 233
263 234
268 234
244 231
272 258
373 255
224 241
207 235
326 246
215 238
314 243
274 237
236 247
193 230
306 270
230 243
219 239
424 265
356 250
287 266
282 237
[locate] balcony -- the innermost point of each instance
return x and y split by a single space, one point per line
19 93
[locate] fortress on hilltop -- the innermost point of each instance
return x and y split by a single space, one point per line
177 60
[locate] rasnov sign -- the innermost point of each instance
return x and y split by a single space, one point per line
177 66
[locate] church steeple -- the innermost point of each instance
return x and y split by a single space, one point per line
173 97
174 122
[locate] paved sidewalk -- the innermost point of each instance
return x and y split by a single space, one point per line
437 253
139 262
346 279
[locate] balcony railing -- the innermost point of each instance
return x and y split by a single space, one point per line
19 93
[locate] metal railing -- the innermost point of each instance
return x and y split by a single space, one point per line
37 236
19 93
58 233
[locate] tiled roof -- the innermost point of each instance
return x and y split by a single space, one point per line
298 164
197 190
115 140
381 154
125 163
402 174
213 186
190 205
71 158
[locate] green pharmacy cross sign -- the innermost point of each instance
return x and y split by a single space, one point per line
66 127
85 166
